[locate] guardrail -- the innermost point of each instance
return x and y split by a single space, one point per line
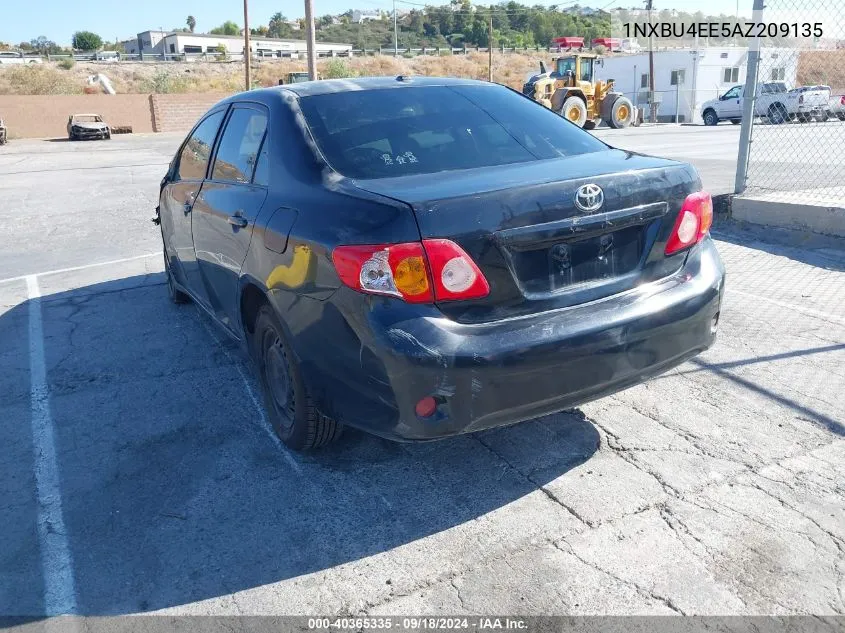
295 54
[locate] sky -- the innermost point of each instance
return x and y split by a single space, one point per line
58 19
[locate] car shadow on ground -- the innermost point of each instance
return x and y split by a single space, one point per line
172 488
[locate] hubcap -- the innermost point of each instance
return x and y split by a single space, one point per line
573 113
622 113
278 378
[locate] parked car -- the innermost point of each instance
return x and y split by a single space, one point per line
17 57
423 257
107 56
775 101
836 107
87 126
812 102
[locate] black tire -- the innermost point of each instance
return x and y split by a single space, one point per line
290 409
574 110
176 295
841 116
802 118
736 121
710 117
590 125
621 113
777 114
823 117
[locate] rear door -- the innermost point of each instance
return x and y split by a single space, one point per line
177 200
224 214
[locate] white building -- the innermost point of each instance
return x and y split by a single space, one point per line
180 43
688 77
359 16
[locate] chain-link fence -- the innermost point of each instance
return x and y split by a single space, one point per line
796 145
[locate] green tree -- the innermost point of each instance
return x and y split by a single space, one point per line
43 45
87 41
191 22
278 26
227 28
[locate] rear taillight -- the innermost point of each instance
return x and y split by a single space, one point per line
417 272
800 98
842 100
693 222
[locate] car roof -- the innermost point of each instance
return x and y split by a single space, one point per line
325 86
84 114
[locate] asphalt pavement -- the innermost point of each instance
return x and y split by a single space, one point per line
138 473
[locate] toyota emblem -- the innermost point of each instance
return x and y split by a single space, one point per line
589 197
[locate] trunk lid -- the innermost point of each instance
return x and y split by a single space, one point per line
536 247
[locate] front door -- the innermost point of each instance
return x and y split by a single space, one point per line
225 212
178 198
730 105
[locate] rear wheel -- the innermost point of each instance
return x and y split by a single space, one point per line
802 118
621 113
291 411
736 121
710 117
574 110
841 116
777 113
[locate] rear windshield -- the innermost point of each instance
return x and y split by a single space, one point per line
427 129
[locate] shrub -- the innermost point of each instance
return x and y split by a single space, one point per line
38 79
66 63
162 82
337 69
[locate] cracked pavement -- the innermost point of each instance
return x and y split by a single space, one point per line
717 488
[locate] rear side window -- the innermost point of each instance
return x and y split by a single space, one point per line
196 153
427 129
237 153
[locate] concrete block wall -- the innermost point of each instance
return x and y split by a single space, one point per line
45 116
179 112
39 116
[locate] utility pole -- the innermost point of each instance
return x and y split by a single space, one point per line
651 104
395 32
246 47
310 40
749 96
490 51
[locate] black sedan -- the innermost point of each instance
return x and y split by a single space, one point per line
421 257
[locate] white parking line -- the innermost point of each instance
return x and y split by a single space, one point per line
83 267
56 558
790 306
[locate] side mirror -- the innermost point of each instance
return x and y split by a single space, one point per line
542 68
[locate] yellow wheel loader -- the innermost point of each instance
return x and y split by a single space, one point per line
571 91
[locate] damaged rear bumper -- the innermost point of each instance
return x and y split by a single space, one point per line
500 373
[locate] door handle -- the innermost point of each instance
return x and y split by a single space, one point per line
238 219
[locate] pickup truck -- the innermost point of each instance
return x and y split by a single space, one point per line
16 57
775 101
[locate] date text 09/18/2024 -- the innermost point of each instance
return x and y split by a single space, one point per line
418 623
